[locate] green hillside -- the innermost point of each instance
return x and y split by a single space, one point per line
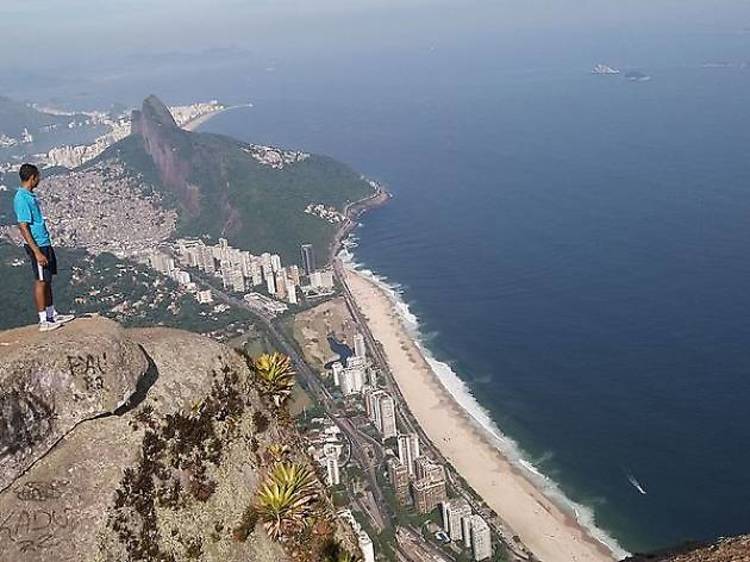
220 189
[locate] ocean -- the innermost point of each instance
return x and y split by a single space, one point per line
572 251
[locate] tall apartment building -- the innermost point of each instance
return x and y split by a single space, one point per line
352 380
256 273
332 470
270 284
481 538
337 370
207 258
291 291
238 281
280 283
428 494
294 275
308 258
360 350
454 512
363 539
425 467
275 262
429 488
399 478
408 450
381 409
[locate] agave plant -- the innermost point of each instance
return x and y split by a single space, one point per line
287 499
276 374
277 452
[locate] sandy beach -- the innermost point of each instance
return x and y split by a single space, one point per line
193 124
549 532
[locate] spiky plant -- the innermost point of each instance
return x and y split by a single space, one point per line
287 499
276 375
277 452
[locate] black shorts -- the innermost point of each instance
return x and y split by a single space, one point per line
43 273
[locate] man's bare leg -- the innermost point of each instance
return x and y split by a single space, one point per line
42 292
48 295
40 296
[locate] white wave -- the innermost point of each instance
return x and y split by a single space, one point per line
461 393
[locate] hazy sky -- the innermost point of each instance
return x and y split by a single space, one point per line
42 40
47 29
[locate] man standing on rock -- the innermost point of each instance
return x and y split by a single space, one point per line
39 248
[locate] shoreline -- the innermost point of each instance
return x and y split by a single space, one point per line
193 124
549 527
548 530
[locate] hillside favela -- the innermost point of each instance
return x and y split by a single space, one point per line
374 282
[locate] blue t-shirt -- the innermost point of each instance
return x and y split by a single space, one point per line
27 210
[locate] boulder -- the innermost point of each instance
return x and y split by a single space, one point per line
50 383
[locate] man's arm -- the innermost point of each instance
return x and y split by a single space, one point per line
41 259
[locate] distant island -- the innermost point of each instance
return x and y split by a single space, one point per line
604 70
631 75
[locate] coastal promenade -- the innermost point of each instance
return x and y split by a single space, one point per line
450 434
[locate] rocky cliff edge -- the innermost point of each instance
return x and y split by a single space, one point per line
141 444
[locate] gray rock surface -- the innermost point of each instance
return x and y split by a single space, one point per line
49 383
164 474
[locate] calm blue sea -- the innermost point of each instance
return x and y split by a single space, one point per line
575 247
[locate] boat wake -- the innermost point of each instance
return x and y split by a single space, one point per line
480 416
637 485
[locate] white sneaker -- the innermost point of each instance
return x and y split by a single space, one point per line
48 326
64 318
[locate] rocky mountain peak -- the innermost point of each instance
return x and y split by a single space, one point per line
153 111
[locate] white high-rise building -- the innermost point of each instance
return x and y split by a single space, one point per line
365 543
481 538
291 291
337 369
294 275
382 411
275 262
388 417
408 450
265 260
352 380
209 264
466 531
454 512
256 273
332 470
238 281
360 350
271 285
366 546
280 285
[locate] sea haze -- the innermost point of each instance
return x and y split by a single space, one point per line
574 246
